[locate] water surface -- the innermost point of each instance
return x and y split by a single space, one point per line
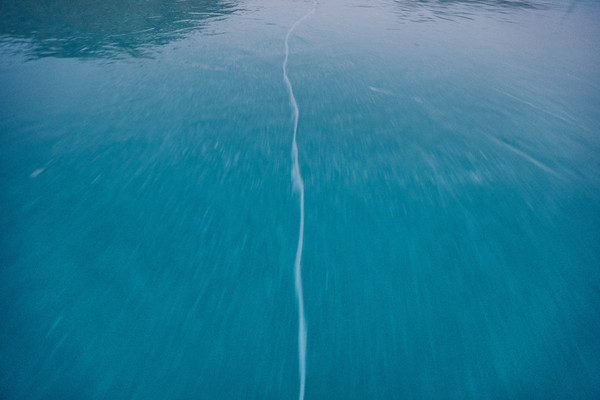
450 158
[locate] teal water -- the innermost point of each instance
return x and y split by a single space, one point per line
450 159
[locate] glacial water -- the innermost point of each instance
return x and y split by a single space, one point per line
281 199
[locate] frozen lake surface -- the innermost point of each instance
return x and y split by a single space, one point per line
441 221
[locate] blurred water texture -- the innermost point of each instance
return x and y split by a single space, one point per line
450 155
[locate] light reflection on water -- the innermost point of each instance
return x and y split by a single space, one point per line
430 10
106 29
92 28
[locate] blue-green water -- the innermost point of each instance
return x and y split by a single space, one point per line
450 156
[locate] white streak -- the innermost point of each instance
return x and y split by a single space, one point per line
35 173
299 187
382 91
527 157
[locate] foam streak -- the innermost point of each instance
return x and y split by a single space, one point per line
299 187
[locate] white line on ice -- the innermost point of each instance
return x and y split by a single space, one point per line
299 187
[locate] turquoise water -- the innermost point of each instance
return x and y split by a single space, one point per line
450 158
